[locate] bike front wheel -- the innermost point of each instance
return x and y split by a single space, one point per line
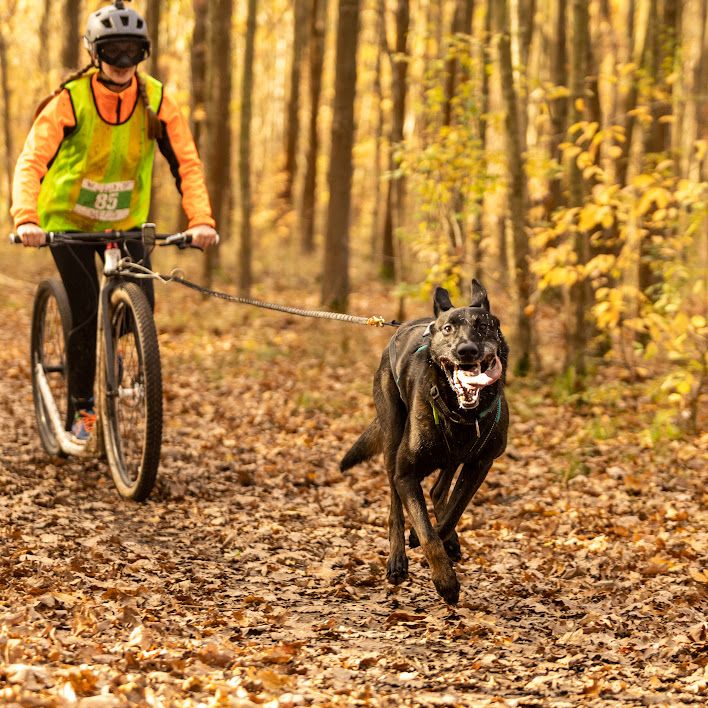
51 324
131 405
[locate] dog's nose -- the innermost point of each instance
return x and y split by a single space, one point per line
468 351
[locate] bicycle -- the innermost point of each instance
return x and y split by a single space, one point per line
129 379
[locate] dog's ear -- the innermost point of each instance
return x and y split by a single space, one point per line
479 295
441 300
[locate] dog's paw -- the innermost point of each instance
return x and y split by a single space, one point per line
452 548
413 541
397 569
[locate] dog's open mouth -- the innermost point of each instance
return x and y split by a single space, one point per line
467 380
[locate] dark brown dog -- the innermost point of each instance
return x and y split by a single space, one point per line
439 395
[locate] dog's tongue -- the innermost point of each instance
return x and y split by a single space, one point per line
469 378
468 383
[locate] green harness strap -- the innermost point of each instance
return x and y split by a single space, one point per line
496 402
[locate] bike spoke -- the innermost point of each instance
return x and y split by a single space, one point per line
129 400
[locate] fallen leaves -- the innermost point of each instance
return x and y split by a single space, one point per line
256 573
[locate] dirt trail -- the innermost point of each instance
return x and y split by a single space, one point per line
256 571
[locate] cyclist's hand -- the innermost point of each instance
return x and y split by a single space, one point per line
203 236
31 235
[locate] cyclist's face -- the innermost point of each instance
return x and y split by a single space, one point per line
118 75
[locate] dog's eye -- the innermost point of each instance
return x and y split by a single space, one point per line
448 329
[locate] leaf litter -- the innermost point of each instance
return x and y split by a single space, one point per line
255 574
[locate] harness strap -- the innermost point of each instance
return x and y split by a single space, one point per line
393 356
437 401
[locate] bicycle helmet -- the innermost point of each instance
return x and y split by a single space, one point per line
117 35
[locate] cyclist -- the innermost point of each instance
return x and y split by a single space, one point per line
87 165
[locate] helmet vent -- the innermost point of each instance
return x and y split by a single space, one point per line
140 24
107 23
125 20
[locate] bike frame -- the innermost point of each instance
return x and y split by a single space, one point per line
111 278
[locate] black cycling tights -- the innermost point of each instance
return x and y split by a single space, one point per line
77 267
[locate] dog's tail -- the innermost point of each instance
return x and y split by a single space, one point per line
370 443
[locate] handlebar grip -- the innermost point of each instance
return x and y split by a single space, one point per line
181 240
16 239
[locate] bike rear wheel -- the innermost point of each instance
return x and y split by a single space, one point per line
131 414
51 324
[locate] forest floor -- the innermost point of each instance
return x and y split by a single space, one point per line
255 573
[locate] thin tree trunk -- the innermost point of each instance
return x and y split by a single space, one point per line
335 278
639 50
457 230
245 277
516 196
395 196
218 149
6 115
198 58
292 124
461 23
152 18
316 60
476 251
559 108
70 46
578 299
44 54
379 137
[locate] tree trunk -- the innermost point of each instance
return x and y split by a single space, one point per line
516 196
457 229
395 196
378 138
461 24
218 138
245 277
318 19
44 54
198 57
577 340
152 18
559 107
71 44
335 278
6 117
292 122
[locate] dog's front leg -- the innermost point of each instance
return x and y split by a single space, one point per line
471 477
439 494
441 570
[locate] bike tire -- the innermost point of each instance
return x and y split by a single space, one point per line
51 325
131 417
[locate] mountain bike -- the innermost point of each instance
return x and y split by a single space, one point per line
128 385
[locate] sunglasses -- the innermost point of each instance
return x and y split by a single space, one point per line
123 53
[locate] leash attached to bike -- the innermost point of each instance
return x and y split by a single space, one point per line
375 321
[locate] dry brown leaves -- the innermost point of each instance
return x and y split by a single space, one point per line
255 574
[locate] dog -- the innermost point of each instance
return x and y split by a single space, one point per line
439 395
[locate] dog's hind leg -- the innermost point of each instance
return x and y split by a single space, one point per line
397 566
438 494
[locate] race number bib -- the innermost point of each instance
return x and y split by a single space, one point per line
104 202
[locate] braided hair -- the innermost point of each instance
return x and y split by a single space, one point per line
154 126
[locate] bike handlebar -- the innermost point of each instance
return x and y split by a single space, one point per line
147 235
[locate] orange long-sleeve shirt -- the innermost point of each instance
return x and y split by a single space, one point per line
57 120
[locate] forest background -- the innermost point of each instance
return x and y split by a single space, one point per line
556 149
357 153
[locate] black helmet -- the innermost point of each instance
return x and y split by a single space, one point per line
117 25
